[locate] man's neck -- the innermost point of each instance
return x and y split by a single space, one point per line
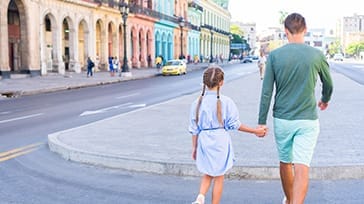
297 38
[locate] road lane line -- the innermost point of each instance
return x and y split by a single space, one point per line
92 112
20 118
126 96
4 156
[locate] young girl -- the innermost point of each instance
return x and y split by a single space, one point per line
212 115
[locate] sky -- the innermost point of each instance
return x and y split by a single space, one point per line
318 13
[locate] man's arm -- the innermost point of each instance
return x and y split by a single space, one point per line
266 94
326 80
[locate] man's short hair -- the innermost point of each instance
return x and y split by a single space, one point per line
295 23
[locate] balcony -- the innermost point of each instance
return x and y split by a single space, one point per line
137 9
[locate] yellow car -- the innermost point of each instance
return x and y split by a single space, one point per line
174 67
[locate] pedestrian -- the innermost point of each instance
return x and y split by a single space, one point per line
261 64
158 62
196 59
212 115
90 65
149 59
115 63
111 66
293 70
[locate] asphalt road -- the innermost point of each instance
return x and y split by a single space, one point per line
32 174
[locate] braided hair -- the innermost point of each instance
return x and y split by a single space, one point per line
212 77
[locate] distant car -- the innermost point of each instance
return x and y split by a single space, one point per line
174 67
255 58
338 57
246 59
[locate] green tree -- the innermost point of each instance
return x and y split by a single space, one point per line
334 47
235 29
282 16
355 48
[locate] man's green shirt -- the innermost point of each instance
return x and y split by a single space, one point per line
293 70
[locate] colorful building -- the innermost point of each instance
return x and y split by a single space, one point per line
56 36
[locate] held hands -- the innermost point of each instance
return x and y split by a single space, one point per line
261 131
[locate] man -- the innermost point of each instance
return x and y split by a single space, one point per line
293 69
90 65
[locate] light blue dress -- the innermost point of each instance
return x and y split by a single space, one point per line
215 155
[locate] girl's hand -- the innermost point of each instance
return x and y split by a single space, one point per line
194 153
261 131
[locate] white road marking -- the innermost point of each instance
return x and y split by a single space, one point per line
92 112
21 118
126 96
4 113
138 105
359 66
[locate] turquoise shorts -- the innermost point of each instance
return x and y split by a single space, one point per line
296 140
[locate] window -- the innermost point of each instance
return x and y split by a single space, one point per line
47 22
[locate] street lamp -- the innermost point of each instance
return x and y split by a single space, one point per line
181 25
212 34
124 11
231 37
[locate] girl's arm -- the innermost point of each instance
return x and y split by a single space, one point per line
194 146
259 131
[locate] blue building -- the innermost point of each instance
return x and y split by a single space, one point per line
164 29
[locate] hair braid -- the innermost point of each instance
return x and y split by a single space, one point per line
199 103
218 107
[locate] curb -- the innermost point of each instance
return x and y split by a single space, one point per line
189 169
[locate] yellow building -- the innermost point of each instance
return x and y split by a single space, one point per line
215 30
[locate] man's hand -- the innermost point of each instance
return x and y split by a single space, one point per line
263 129
322 105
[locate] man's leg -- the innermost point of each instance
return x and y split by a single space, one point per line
300 184
287 179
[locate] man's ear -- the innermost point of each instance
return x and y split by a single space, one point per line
305 31
287 31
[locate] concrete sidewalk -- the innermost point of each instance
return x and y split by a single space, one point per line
21 85
153 141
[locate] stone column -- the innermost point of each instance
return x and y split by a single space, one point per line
73 44
58 63
135 59
104 56
4 43
151 47
143 54
33 39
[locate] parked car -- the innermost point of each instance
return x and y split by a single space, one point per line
338 57
174 67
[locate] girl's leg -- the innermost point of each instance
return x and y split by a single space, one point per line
217 189
205 184
204 187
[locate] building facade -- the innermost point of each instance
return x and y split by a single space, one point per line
250 35
56 36
194 13
352 30
215 31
